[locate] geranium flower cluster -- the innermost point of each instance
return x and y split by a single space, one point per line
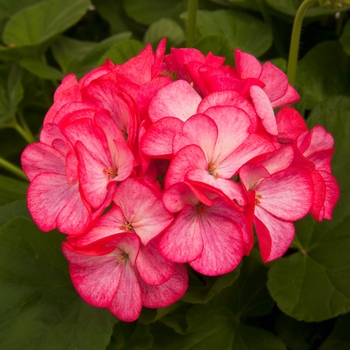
173 159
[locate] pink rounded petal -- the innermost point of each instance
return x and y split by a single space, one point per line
290 125
127 301
153 268
274 235
92 176
182 241
255 145
278 160
168 292
264 109
96 278
38 157
48 195
199 130
143 208
177 99
287 194
177 196
123 160
158 139
276 82
291 96
188 158
229 98
222 245
247 65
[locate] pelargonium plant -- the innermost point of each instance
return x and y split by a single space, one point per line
174 159
174 175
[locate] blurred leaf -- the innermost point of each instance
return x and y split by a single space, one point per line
11 189
296 335
323 72
147 12
112 11
314 284
248 295
76 56
41 69
135 336
345 38
242 30
164 28
37 24
12 210
11 93
202 288
215 329
9 8
39 307
290 8
339 339
122 51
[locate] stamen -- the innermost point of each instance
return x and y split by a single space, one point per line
127 227
122 257
212 170
111 173
257 198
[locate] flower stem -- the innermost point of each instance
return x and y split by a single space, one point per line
191 22
26 134
294 44
12 168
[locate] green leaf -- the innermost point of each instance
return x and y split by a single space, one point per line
8 8
323 72
38 23
112 11
41 69
202 288
147 12
11 189
290 8
167 28
12 210
345 38
339 339
79 57
248 295
296 335
39 307
135 336
122 51
242 30
314 284
11 93
215 329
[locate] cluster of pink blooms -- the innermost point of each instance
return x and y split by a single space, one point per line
174 159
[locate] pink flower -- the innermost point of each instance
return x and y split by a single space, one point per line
113 273
283 194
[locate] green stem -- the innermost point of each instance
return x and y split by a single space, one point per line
26 134
12 168
294 44
191 22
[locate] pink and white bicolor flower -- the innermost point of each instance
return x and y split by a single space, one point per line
114 272
283 194
211 234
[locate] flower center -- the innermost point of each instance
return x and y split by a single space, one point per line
111 173
212 170
201 209
127 227
122 258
